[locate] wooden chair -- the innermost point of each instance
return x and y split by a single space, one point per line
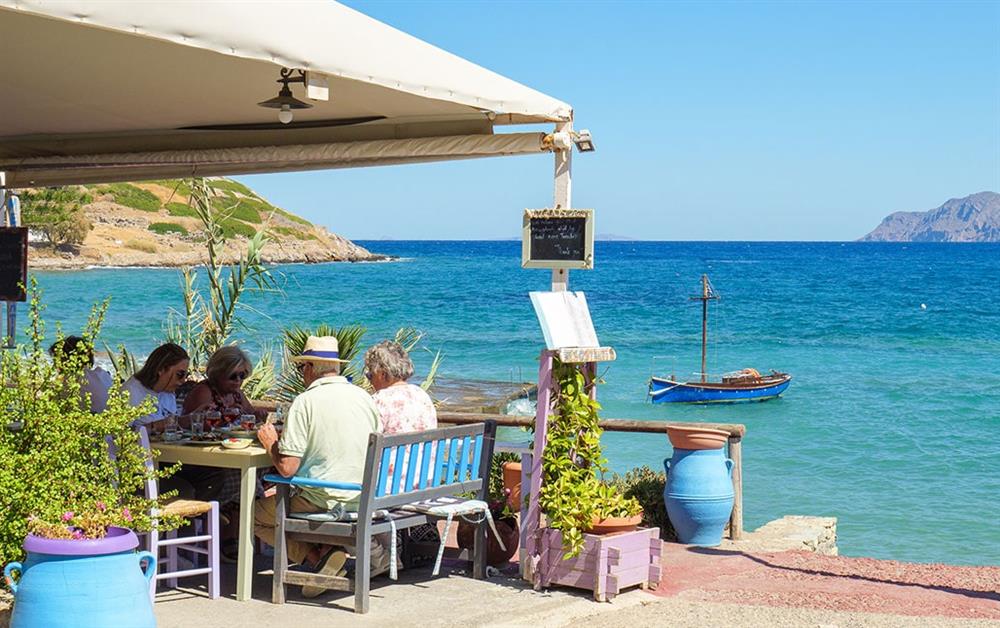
399 470
204 517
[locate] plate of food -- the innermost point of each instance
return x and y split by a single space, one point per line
239 432
205 440
236 443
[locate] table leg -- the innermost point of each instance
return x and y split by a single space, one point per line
244 565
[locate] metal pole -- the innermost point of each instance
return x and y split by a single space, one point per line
11 216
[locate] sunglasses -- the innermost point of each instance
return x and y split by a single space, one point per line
301 366
238 375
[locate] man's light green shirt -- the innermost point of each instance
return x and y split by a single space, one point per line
328 427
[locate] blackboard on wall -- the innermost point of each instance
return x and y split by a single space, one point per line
13 263
557 238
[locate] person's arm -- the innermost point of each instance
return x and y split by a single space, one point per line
199 396
286 465
248 408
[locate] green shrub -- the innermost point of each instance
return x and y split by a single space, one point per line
232 228
181 209
236 209
164 228
57 213
136 198
53 451
646 486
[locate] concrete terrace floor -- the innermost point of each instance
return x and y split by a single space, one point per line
701 587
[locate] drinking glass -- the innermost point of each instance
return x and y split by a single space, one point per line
198 423
231 415
170 425
212 419
248 422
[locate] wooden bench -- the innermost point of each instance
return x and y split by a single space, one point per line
399 470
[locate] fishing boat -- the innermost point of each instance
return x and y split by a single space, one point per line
743 385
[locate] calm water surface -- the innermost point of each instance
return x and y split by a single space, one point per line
890 423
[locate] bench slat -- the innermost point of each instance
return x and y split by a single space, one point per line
452 461
439 462
383 473
477 453
398 472
464 459
425 464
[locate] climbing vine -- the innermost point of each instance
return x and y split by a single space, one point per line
574 493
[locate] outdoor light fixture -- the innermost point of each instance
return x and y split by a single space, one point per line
284 102
583 142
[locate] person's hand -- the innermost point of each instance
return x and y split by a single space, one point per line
267 436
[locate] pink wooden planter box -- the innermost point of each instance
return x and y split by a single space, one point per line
606 565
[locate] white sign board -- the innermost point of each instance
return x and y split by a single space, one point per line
565 319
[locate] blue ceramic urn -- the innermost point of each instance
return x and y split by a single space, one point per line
699 494
91 583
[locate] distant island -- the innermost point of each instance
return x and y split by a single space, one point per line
150 223
974 218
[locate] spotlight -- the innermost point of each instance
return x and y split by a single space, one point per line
583 141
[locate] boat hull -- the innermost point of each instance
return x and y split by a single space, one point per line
663 390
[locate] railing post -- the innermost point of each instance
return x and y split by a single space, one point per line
736 519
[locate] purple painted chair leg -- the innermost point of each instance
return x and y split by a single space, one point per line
171 561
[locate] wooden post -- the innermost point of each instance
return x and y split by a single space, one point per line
736 519
532 522
563 194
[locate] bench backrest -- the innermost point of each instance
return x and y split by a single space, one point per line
406 468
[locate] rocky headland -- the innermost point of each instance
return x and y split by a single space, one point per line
151 224
974 218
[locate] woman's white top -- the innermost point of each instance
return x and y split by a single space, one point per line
96 381
166 402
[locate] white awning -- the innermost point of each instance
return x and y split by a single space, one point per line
83 80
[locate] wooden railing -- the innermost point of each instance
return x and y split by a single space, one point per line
736 432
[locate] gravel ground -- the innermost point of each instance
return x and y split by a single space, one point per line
793 581
678 613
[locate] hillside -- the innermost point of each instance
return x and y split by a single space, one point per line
975 218
150 224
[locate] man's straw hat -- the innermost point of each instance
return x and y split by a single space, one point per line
320 349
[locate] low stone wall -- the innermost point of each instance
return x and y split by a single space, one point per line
791 532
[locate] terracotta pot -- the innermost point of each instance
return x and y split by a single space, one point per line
696 437
612 525
495 555
512 482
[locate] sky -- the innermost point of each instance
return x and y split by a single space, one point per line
712 120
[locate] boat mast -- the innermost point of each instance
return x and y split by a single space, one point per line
707 294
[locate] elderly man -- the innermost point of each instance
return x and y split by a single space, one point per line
325 438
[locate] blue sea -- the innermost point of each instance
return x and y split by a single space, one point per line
891 422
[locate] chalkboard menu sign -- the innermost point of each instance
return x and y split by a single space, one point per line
557 238
13 263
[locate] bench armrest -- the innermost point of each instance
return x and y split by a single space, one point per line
296 481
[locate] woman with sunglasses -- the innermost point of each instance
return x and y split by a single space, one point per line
222 388
165 369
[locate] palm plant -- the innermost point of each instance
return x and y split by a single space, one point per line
289 382
208 321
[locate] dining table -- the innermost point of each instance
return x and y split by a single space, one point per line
247 460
